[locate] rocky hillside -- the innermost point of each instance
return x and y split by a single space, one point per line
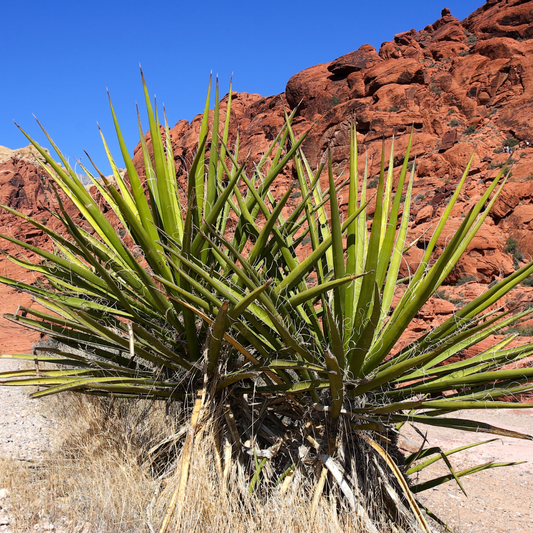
461 85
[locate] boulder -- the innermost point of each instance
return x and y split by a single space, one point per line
361 59
402 71
448 140
510 18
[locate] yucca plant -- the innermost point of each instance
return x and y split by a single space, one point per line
270 317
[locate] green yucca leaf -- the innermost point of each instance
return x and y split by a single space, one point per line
485 361
170 212
440 226
337 249
464 425
246 302
466 472
268 227
337 348
139 196
417 297
47 373
295 365
57 238
313 293
235 378
389 221
423 453
358 353
351 238
198 182
448 404
125 192
211 184
459 342
132 385
309 262
397 253
227 337
216 210
462 382
288 388
71 301
366 303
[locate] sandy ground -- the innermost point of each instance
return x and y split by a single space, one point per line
25 433
498 500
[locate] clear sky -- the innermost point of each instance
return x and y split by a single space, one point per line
58 57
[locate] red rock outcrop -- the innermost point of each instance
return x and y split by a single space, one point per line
460 85
22 186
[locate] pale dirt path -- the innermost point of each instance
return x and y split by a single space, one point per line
25 433
499 500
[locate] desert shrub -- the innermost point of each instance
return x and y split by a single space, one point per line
334 101
394 109
511 142
501 164
435 89
373 183
528 282
469 130
443 295
293 358
512 247
453 123
465 279
523 331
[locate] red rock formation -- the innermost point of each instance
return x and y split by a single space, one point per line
22 186
460 85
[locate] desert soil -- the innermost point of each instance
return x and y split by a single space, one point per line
26 434
499 500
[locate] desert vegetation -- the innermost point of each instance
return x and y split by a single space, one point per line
250 339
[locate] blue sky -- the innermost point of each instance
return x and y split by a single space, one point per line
59 56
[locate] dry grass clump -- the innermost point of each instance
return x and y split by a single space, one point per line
96 472
113 469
